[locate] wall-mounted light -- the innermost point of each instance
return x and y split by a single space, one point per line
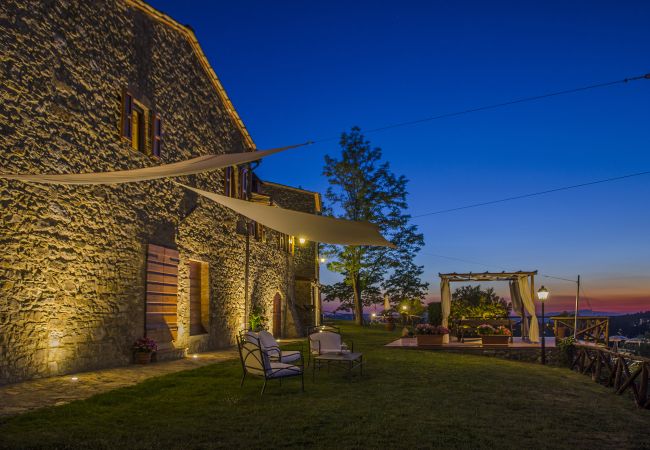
302 240
322 260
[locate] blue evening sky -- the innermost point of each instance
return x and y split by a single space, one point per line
298 70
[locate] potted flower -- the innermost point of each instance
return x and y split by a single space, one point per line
494 336
143 348
427 334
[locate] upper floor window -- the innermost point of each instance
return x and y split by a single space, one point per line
140 126
231 176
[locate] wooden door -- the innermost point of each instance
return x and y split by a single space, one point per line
277 315
162 294
196 298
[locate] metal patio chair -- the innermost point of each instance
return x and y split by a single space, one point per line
256 362
273 350
327 342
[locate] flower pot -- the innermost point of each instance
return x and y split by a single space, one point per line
429 339
495 340
390 326
142 357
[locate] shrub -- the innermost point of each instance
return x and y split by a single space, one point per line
434 311
257 320
566 347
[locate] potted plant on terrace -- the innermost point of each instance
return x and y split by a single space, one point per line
494 336
427 334
143 348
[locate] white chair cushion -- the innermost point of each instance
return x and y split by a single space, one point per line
255 360
269 344
329 342
252 337
280 370
290 356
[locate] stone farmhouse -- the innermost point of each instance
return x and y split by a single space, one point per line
97 86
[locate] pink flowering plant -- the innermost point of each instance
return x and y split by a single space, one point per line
489 330
426 328
145 345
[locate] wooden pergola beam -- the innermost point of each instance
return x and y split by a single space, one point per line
486 276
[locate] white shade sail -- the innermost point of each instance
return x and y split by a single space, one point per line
191 166
302 225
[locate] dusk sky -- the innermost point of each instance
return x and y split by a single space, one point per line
299 71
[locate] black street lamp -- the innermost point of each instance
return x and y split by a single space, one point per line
542 295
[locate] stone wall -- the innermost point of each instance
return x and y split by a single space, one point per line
306 265
72 265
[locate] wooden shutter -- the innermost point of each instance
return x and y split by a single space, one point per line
162 294
127 112
156 135
227 178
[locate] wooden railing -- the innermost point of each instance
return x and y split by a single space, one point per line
590 329
623 373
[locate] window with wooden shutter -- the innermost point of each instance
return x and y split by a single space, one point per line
226 181
156 135
243 185
141 127
199 297
162 294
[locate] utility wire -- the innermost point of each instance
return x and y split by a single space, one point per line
495 105
533 194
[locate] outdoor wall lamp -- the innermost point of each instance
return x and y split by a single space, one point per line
301 240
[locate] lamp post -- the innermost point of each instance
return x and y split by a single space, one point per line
542 295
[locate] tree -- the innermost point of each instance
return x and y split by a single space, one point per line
472 301
363 188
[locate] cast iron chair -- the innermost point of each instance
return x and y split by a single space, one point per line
257 363
273 350
327 342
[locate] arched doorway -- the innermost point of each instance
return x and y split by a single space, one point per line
277 315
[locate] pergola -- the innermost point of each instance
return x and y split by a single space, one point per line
522 286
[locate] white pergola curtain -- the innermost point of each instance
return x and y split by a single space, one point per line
189 167
445 301
518 306
527 300
302 225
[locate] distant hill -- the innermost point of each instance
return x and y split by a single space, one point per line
586 312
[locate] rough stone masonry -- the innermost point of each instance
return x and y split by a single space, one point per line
73 258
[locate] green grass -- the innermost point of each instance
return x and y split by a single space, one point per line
406 398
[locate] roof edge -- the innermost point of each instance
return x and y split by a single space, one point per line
189 35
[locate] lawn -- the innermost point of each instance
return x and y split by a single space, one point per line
406 398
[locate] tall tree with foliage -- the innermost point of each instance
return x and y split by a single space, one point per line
472 301
363 188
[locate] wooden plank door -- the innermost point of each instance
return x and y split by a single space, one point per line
161 321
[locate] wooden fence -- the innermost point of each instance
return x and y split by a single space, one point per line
624 373
590 329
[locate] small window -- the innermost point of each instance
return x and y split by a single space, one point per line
137 128
243 185
141 127
231 182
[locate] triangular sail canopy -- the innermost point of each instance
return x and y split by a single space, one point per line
302 225
189 167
